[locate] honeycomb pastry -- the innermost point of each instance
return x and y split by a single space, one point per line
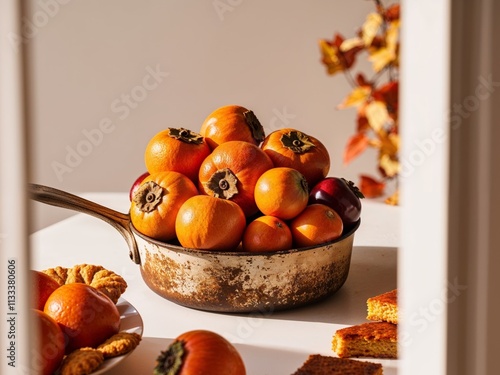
106 281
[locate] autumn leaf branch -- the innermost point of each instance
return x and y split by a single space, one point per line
375 99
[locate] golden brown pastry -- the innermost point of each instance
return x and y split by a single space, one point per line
373 339
104 280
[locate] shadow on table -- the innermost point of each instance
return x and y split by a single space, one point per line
258 360
373 271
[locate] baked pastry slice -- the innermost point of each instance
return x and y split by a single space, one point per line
318 364
372 339
383 307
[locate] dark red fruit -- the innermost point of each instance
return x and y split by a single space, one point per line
136 185
341 195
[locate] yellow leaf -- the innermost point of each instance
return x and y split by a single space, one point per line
386 55
349 44
377 115
356 97
375 143
371 27
389 143
389 165
393 200
392 35
381 59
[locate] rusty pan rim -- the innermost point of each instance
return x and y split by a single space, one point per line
240 253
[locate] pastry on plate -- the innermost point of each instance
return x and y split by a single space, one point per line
81 361
119 344
104 280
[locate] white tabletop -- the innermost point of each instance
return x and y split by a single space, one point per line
273 344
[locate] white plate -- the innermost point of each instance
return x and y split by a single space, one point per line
130 321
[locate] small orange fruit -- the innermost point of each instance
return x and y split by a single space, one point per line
282 192
294 149
86 316
231 171
267 233
315 225
176 149
232 123
156 202
209 223
42 287
49 350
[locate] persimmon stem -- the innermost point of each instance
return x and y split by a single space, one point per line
148 196
170 361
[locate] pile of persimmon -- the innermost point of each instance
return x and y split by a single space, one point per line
229 187
67 318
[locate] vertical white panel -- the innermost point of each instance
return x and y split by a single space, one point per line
422 269
14 331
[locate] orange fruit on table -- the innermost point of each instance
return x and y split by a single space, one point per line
50 345
42 287
156 202
294 149
232 123
86 316
231 172
282 192
200 352
267 233
209 223
315 225
176 149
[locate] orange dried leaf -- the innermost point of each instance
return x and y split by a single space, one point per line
362 121
355 146
370 187
388 94
361 80
330 57
355 97
392 13
334 58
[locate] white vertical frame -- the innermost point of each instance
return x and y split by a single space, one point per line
15 327
422 268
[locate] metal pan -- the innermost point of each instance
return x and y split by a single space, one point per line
223 281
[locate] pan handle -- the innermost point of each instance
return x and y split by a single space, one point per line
59 198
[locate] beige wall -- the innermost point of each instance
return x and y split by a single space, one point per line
107 75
